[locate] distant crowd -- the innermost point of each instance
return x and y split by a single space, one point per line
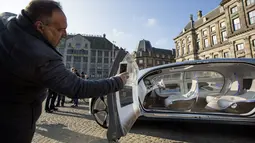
50 104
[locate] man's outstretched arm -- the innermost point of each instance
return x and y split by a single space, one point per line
55 76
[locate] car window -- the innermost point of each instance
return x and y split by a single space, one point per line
208 81
170 82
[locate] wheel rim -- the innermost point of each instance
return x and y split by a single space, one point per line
100 111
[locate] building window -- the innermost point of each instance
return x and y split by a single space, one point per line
106 60
215 56
226 55
93 52
252 17
205 32
77 59
234 10
253 42
86 45
84 52
99 60
222 24
237 24
158 62
85 59
188 50
197 36
69 51
224 35
250 2
140 61
106 53
214 39
213 28
68 58
99 53
93 60
178 44
184 50
239 47
163 56
150 61
189 39
78 45
198 45
206 44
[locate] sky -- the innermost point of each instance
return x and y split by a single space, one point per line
126 22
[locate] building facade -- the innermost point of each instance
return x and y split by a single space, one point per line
90 54
147 56
228 31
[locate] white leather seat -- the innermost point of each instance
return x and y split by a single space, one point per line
242 102
162 91
186 101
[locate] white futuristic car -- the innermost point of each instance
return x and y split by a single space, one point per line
216 90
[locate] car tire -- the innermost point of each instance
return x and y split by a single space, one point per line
99 110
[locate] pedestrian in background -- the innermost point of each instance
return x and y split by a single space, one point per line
50 101
75 99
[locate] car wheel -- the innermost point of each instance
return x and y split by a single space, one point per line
100 111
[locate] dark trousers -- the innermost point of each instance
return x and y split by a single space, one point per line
15 133
75 100
51 98
18 122
62 99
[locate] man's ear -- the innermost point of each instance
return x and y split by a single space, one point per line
39 26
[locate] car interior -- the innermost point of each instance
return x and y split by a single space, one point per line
214 88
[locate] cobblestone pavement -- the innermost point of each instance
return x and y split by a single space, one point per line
74 125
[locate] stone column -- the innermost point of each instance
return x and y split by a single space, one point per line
221 53
72 59
186 45
247 48
242 15
201 40
228 21
217 28
82 64
145 59
233 50
89 61
211 55
209 36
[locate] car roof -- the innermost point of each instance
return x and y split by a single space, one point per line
194 62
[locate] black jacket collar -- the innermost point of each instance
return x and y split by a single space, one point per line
27 24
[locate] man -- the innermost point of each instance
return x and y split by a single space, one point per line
50 101
29 64
61 100
75 99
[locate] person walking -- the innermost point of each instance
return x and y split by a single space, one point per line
50 101
30 64
61 100
75 99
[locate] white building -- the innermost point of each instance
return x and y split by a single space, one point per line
90 54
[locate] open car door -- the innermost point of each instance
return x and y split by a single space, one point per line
123 106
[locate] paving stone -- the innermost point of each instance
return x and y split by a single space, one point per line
75 125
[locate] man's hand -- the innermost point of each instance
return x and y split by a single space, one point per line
124 76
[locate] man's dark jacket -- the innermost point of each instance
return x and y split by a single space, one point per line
28 66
